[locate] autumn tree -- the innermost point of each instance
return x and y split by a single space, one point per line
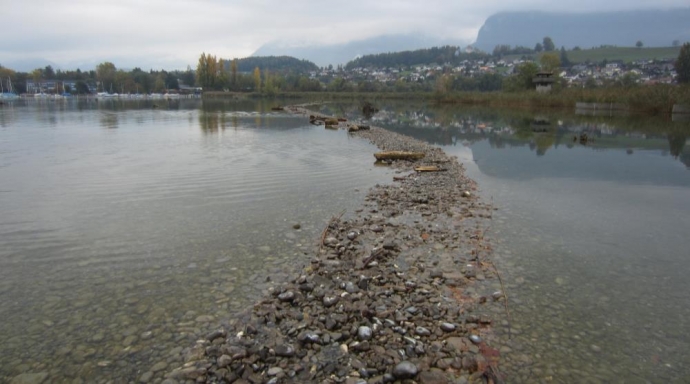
257 79
269 85
105 73
682 64
233 73
207 71
123 82
550 62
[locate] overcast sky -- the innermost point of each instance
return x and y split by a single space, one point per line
171 34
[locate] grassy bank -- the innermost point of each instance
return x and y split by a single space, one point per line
655 100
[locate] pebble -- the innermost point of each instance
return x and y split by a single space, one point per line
405 370
329 301
364 333
286 296
447 327
285 350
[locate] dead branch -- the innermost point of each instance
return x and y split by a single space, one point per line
328 225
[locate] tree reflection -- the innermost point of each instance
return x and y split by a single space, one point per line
109 120
211 122
676 143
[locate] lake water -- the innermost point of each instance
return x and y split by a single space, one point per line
128 229
592 238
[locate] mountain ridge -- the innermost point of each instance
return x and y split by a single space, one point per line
654 28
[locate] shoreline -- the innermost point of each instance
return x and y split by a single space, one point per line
398 291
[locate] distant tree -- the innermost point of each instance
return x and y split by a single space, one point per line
105 73
207 71
538 47
48 72
188 77
577 48
675 43
639 44
628 80
81 88
257 79
159 84
590 83
233 73
171 81
522 80
123 82
683 64
548 44
269 87
550 61
565 61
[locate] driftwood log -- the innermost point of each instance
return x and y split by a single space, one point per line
355 128
429 168
398 155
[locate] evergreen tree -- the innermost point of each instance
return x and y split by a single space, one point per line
565 62
683 64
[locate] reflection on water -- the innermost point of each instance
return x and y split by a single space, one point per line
591 236
129 229
540 131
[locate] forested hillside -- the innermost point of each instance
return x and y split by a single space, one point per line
435 55
278 64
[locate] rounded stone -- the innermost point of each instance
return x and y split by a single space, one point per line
285 350
364 333
405 370
352 235
286 296
350 287
447 327
421 331
329 301
330 242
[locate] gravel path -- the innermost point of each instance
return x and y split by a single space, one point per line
396 293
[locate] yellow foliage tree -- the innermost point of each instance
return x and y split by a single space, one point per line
257 79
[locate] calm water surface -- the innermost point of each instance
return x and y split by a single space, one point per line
127 230
592 238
